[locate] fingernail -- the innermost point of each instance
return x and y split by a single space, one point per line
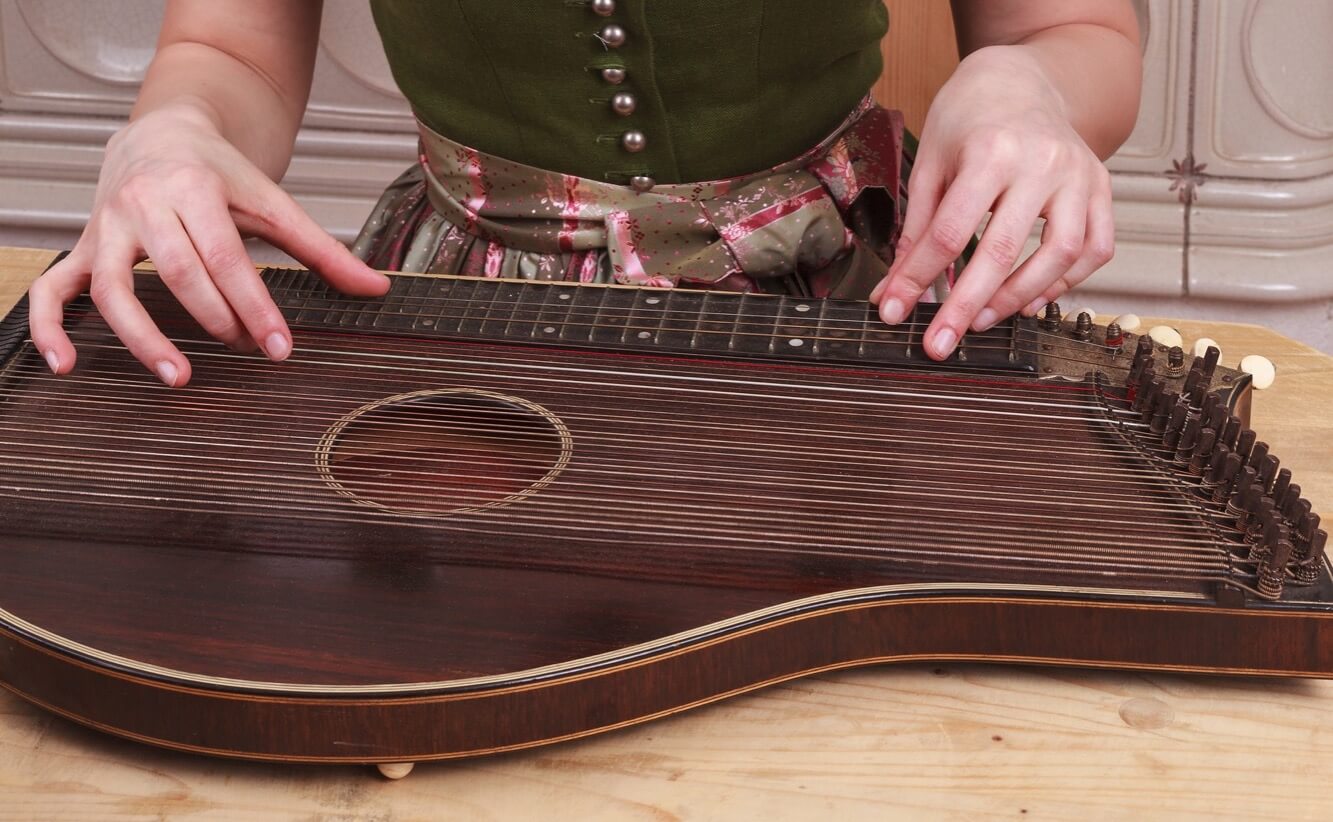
53 361
277 347
944 342
892 311
1034 306
986 319
167 372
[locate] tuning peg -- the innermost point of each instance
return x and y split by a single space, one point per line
1091 312
1128 322
1050 317
1165 335
1261 370
1083 325
1273 572
1202 345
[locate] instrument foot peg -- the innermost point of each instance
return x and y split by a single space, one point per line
395 770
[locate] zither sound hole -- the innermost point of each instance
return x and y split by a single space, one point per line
444 452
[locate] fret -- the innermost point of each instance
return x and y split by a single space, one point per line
583 309
680 316
504 309
525 307
881 342
390 312
756 318
449 319
717 322
645 318
841 324
796 327
550 309
429 296
478 306
612 321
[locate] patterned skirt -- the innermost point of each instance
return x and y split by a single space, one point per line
821 225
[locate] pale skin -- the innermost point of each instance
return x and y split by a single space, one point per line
1044 92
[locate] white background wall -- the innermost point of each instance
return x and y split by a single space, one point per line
1224 191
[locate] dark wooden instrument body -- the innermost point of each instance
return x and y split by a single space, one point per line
211 569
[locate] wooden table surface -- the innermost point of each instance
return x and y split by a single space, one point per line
962 741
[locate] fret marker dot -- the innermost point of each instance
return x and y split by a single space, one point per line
428 323
796 343
802 308
550 329
652 301
643 335
564 296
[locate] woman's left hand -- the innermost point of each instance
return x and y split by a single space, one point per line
997 140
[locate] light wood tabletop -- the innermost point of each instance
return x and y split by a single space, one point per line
939 741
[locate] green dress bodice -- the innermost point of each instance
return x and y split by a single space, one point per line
717 88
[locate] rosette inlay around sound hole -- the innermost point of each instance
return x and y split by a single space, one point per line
444 451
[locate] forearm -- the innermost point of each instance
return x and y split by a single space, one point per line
1085 52
243 67
1097 72
199 80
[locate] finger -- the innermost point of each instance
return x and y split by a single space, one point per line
178 265
47 299
1098 247
113 294
991 264
960 211
228 264
924 190
281 221
1062 242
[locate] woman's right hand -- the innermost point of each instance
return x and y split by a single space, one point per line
174 191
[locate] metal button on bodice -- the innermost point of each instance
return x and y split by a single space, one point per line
634 141
612 35
623 103
605 8
614 76
642 183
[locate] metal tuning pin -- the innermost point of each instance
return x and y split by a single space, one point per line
1257 453
1189 437
1171 436
1175 360
1273 571
1243 482
1115 336
1161 412
1231 431
1291 505
1143 396
1202 345
1267 470
1262 519
1245 443
1280 486
1203 451
1312 540
1050 318
1143 348
1083 326
1211 356
1227 479
1215 414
